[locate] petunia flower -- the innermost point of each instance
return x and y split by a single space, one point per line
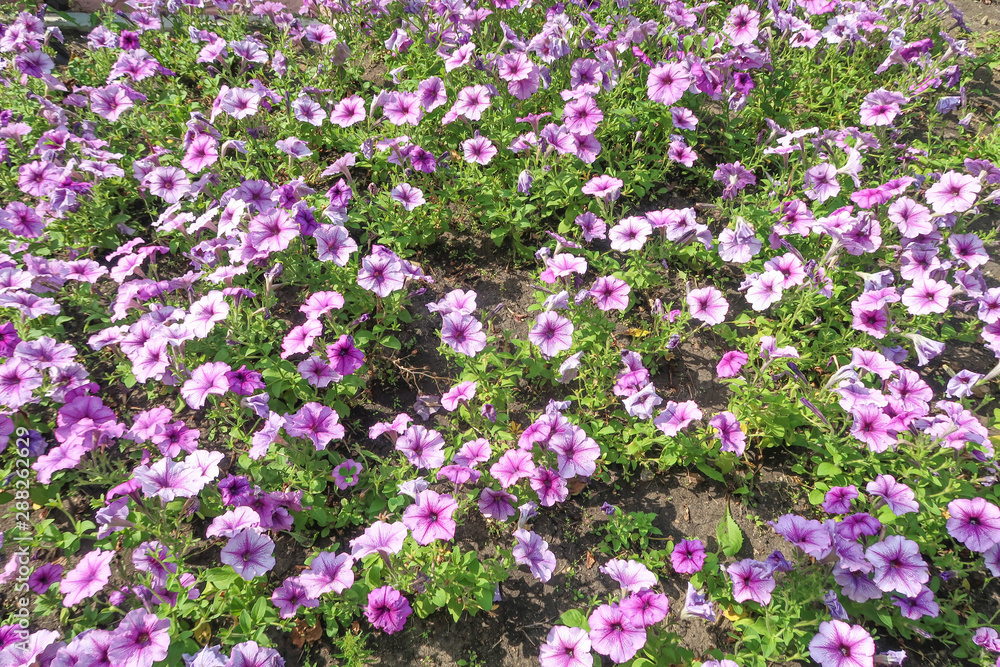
249 553
531 550
613 633
838 644
752 580
430 517
89 576
387 609
328 573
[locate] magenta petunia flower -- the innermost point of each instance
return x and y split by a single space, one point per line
140 640
348 111
382 538
731 363
463 392
742 25
513 465
675 417
533 551
974 522
838 644
552 333
708 305
954 193
646 607
423 447
730 434
604 187
429 519
202 152
566 647
631 575
89 576
208 379
582 116
871 426
613 633
549 485
387 609
688 556
667 83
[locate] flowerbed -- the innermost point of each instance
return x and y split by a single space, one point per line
222 235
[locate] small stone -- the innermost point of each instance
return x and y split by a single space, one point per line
986 20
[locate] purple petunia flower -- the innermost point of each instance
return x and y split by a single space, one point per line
915 608
497 505
954 193
345 475
695 604
208 379
463 333
249 553
387 609
44 577
667 83
838 499
807 534
610 293
290 596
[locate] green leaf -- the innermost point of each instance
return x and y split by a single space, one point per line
729 534
711 472
827 470
574 618
221 577
392 343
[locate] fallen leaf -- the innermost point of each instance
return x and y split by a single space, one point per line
590 560
303 632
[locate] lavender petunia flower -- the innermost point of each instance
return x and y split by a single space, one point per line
752 580
328 573
249 553
975 523
533 551
838 644
897 496
898 565
612 633
566 647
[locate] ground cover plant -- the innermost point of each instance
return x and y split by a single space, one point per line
250 418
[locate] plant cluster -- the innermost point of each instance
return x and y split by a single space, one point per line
217 220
